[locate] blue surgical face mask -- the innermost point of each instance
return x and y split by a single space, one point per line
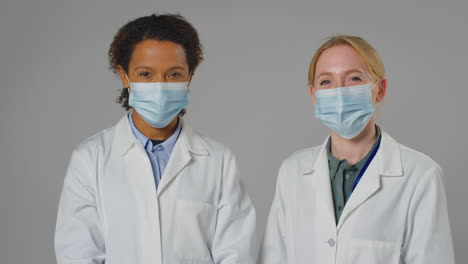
158 103
345 110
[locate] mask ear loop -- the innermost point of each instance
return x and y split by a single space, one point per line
184 110
313 90
129 87
188 84
129 83
377 82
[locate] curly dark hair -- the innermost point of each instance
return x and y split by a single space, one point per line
167 27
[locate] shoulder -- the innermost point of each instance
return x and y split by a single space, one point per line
89 151
214 146
99 143
420 168
202 144
414 158
416 166
424 177
302 159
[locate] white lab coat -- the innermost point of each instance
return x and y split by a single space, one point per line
396 214
110 210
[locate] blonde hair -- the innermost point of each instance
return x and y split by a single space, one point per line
370 56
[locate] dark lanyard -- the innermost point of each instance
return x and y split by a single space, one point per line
369 160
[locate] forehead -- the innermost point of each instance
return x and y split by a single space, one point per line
339 58
154 53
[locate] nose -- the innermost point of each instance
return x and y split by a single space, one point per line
339 82
159 77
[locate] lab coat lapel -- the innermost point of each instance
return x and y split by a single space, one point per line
140 181
319 176
368 185
179 158
189 143
386 163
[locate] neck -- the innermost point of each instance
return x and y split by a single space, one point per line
153 133
353 150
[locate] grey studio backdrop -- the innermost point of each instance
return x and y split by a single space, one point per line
250 93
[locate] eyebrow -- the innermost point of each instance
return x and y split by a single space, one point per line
176 68
346 72
149 68
142 66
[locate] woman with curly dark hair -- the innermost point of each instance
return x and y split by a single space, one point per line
151 189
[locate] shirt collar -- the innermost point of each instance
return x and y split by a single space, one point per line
168 144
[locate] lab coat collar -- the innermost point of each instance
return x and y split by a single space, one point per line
387 162
318 161
125 140
389 157
189 143
194 141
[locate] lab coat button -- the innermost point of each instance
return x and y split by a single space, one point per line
331 242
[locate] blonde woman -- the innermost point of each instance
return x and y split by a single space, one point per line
360 197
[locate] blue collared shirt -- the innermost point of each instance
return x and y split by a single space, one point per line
158 154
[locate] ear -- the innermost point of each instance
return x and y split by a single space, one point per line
312 92
123 77
382 89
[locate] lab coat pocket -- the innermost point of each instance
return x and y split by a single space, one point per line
193 230
373 251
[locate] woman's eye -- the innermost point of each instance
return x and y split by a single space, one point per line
175 74
324 82
355 79
144 74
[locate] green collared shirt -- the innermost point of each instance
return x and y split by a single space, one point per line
343 176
